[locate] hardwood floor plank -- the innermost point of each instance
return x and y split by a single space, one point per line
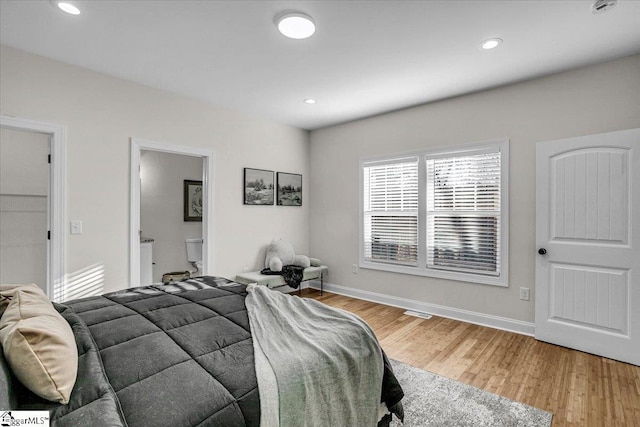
579 389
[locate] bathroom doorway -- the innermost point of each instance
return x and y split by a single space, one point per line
162 221
163 179
31 204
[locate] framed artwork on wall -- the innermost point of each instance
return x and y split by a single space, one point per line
258 187
192 194
289 189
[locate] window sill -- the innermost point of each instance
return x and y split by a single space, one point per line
439 274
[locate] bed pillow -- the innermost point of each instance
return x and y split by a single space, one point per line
38 343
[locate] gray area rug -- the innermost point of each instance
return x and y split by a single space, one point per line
432 400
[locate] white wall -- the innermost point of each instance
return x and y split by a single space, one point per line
102 113
24 187
590 100
161 208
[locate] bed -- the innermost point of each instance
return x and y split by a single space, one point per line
179 354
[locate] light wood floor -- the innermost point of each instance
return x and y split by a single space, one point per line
578 388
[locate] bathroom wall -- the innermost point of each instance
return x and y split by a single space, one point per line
161 208
24 187
102 113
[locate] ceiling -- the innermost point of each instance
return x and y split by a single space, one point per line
366 58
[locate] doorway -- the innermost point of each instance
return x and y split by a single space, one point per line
31 204
24 207
164 228
157 242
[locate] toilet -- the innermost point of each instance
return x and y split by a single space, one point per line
194 253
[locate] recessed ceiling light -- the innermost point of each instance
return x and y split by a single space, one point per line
491 43
296 25
67 7
309 101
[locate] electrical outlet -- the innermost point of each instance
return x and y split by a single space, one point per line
524 294
354 268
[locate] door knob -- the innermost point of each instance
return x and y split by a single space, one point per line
542 251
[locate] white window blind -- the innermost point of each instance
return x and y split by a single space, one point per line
391 212
463 212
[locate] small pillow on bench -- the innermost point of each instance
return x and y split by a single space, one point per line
315 262
38 343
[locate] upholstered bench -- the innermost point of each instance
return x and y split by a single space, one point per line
275 280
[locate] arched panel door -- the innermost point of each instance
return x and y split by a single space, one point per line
588 238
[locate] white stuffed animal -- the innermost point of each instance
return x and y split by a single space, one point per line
280 252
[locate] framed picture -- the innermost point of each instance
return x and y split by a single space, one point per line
289 189
192 200
258 187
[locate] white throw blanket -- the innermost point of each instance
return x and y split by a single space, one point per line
316 365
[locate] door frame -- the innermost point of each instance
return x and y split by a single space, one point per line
208 158
56 247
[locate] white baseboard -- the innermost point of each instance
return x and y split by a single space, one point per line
496 322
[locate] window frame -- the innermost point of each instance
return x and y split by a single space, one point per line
502 279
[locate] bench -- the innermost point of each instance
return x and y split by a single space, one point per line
275 281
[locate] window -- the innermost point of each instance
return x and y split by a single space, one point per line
440 213
391 212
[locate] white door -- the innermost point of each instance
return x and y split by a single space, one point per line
588 243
